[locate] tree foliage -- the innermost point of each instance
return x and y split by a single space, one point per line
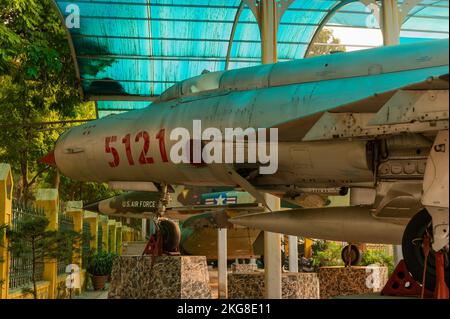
327 253
37 84
377 257
32 240
325 43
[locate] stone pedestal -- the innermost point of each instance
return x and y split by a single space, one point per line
165 277
244 268
346 281
294 285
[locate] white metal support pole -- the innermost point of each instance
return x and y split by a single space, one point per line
391 22
272 241
268 14
272 256
269 26
293 253
398 254
144 229
222 255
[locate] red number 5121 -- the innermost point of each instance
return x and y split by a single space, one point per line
144 158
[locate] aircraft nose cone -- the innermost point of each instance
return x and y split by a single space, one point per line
49 159
92 207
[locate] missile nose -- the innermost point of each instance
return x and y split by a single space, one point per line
94 207
49 159
250 220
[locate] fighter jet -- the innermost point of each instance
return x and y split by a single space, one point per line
191 228
372 122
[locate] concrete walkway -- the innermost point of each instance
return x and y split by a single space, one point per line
93 294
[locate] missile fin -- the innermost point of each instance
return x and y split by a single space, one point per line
407 111
407 106
338 125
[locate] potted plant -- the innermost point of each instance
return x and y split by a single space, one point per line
100 267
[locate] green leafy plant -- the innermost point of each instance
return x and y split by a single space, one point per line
377 257
327 254
101 263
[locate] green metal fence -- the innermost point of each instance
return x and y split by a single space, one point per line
86 244
20 270
65 224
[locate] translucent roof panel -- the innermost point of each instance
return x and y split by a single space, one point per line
129 51
428 20
120 106
298 26
246 47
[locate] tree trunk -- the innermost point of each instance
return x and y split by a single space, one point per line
56 179
24 173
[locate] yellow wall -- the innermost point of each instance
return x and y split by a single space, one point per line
53 286
42 288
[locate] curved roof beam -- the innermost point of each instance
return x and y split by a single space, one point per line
324 21
71 47
233 32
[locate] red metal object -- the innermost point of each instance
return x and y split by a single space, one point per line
426 247
401 283
154 245
441 291
48 159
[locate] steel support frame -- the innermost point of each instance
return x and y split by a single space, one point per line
268 14
150 46
71 48
393 12
325 20
233 33
390 22
392 18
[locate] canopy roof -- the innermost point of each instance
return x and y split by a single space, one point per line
129 51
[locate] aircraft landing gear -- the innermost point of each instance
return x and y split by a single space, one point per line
166 239
171 235
418 253
351 255
167 236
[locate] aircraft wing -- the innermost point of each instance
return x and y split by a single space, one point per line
376 95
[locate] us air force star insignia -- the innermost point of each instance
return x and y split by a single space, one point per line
220 200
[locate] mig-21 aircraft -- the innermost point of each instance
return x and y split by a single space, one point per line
373 123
